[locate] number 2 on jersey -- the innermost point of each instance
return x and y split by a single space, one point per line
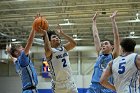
64 62
122 67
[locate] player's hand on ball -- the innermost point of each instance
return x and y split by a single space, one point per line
40 21
42 31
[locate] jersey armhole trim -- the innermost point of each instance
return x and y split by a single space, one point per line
135 62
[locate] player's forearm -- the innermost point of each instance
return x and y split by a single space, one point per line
114 25
11 57
108 85
47 45
94 29
116 38
96 36
115 28
70 39
29 42
105 75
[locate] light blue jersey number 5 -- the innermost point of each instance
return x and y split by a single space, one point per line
122 66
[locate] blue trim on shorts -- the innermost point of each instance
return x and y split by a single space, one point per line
96 87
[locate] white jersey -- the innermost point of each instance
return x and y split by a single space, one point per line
126 74
60 65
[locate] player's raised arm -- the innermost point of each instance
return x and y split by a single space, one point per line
8 51
116 50
96 34
71 42
138 61
47 45
29 42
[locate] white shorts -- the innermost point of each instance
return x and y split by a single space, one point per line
67 86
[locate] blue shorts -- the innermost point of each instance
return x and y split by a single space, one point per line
30 91
98 88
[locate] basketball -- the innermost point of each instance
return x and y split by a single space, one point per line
40 22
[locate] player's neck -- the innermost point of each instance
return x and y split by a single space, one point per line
107 52
126 53
55 46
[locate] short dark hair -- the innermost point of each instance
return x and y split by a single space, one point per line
50 33
14 48
128 44
110 41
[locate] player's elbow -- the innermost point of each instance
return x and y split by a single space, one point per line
48 52
102 82
74 43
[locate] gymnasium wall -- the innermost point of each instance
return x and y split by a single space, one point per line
13 84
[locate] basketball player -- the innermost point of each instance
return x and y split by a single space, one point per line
125 70
58 60
24 66
106 52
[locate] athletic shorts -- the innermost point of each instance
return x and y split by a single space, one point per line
30 91
67 86
98 88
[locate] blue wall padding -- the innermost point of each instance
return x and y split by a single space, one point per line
80 90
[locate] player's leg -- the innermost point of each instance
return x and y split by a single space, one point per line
71 87
106 90
65 90
30 91
58 87
94 88
68 86
57 90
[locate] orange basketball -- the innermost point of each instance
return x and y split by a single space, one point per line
40 22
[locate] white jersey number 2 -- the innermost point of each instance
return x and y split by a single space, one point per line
64 62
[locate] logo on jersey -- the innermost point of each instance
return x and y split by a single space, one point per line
61 55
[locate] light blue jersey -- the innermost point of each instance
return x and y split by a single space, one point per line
100 65
27 72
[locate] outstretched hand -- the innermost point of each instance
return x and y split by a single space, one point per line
34 27
8 49
94 17
37 15
59 29
114 14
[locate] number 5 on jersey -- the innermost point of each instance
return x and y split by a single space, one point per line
122 66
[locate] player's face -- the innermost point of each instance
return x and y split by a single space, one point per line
18 51
55 41
20 48
106 47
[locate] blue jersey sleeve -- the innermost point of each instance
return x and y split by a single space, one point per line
24 59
